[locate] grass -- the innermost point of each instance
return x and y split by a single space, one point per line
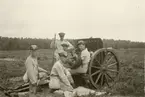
131 77
130 81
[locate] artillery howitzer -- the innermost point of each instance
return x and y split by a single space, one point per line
102 71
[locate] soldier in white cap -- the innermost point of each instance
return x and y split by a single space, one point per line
32 70
84 57
57 44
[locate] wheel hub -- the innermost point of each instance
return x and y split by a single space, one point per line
103 68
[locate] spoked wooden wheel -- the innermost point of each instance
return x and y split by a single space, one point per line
103 68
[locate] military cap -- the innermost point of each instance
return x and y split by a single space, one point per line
33 47
81 42
61 34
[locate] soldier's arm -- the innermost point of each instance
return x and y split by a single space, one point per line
70 45
42 70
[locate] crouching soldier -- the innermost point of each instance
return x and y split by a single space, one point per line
32 71
60 77
70 54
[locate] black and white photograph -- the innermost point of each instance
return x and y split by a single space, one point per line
72 48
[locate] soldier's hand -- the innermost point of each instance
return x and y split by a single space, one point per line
48 73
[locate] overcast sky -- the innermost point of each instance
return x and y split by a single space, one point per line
117 19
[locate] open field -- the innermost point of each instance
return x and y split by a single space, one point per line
130 81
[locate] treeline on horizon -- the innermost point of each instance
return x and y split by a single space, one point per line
7 43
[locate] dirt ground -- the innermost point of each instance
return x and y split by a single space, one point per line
130 81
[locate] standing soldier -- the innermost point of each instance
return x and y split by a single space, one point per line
56 44
32 70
